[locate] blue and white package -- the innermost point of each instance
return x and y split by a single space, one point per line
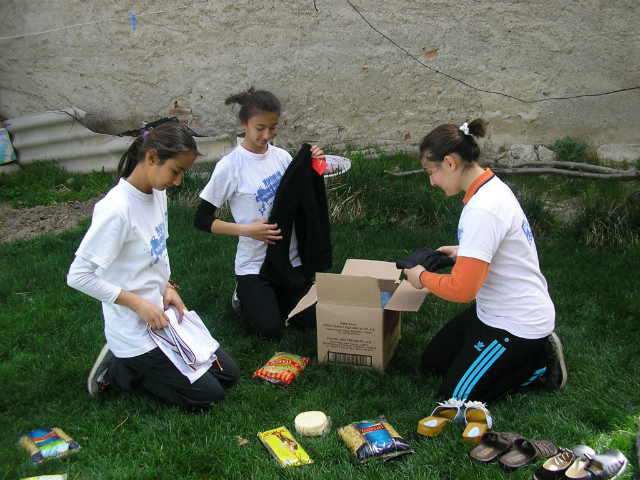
374 440
6 149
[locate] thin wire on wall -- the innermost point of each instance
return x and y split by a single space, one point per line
405 51
481 89
117 19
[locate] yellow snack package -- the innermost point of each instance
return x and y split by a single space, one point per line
284 448
282 368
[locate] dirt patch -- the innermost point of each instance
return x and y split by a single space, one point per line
16 224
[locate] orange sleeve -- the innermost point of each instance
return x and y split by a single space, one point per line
462 284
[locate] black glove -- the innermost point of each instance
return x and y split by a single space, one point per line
431 260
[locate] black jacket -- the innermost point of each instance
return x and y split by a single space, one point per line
301 198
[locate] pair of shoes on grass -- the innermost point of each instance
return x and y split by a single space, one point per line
582 462
99 377
578 463
475 415
556 372
511 449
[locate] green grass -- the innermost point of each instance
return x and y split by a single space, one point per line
50 335
43 183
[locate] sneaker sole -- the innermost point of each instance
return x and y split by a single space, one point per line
235 302
563 365
93 386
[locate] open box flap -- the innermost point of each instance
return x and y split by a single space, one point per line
406 298
305 302
348 290
371 268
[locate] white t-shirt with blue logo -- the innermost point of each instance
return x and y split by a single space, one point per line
127 239
514 297
249 182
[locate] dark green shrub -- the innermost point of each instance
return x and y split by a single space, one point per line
570 150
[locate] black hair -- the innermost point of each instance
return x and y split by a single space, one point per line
167 139
252 101
447 139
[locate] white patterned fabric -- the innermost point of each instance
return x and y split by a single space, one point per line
188 345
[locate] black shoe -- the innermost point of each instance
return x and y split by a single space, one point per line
555 467
98 378
608 465
556 367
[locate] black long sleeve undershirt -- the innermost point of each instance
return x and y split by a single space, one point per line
205 216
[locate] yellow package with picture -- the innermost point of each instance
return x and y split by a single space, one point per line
373 440
284 448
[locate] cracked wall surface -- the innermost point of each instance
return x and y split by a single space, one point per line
340 80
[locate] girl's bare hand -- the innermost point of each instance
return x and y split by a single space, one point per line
151 314
264 231
451 251
171 297
316 152
413 275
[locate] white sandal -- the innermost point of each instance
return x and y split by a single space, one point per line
478 421
446 411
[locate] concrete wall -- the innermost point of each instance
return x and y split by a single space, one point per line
339 80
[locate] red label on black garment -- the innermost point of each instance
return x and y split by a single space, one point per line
319 165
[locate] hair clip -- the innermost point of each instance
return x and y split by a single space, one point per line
465 128
144 135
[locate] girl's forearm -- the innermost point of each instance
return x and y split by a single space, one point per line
128 299
220 227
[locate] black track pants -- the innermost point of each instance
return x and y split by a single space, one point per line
482 363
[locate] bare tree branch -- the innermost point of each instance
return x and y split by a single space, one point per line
608 172
622 175
583 166
402 174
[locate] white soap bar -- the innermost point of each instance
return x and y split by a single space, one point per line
311 424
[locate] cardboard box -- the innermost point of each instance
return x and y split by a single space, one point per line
353 328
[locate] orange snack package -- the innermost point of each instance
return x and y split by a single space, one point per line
282 368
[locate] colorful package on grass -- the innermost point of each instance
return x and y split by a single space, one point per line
47 443
373 440
7 154
284 448
282 368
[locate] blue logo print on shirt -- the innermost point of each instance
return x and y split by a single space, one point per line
527 231
265 194
460 231
158 245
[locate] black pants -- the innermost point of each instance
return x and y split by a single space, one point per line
153 374
482 363
264 304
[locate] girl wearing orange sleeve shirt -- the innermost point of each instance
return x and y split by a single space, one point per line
506 339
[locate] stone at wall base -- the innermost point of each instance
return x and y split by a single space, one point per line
620 152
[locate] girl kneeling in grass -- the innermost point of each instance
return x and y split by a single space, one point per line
123 262
506 340
248 178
